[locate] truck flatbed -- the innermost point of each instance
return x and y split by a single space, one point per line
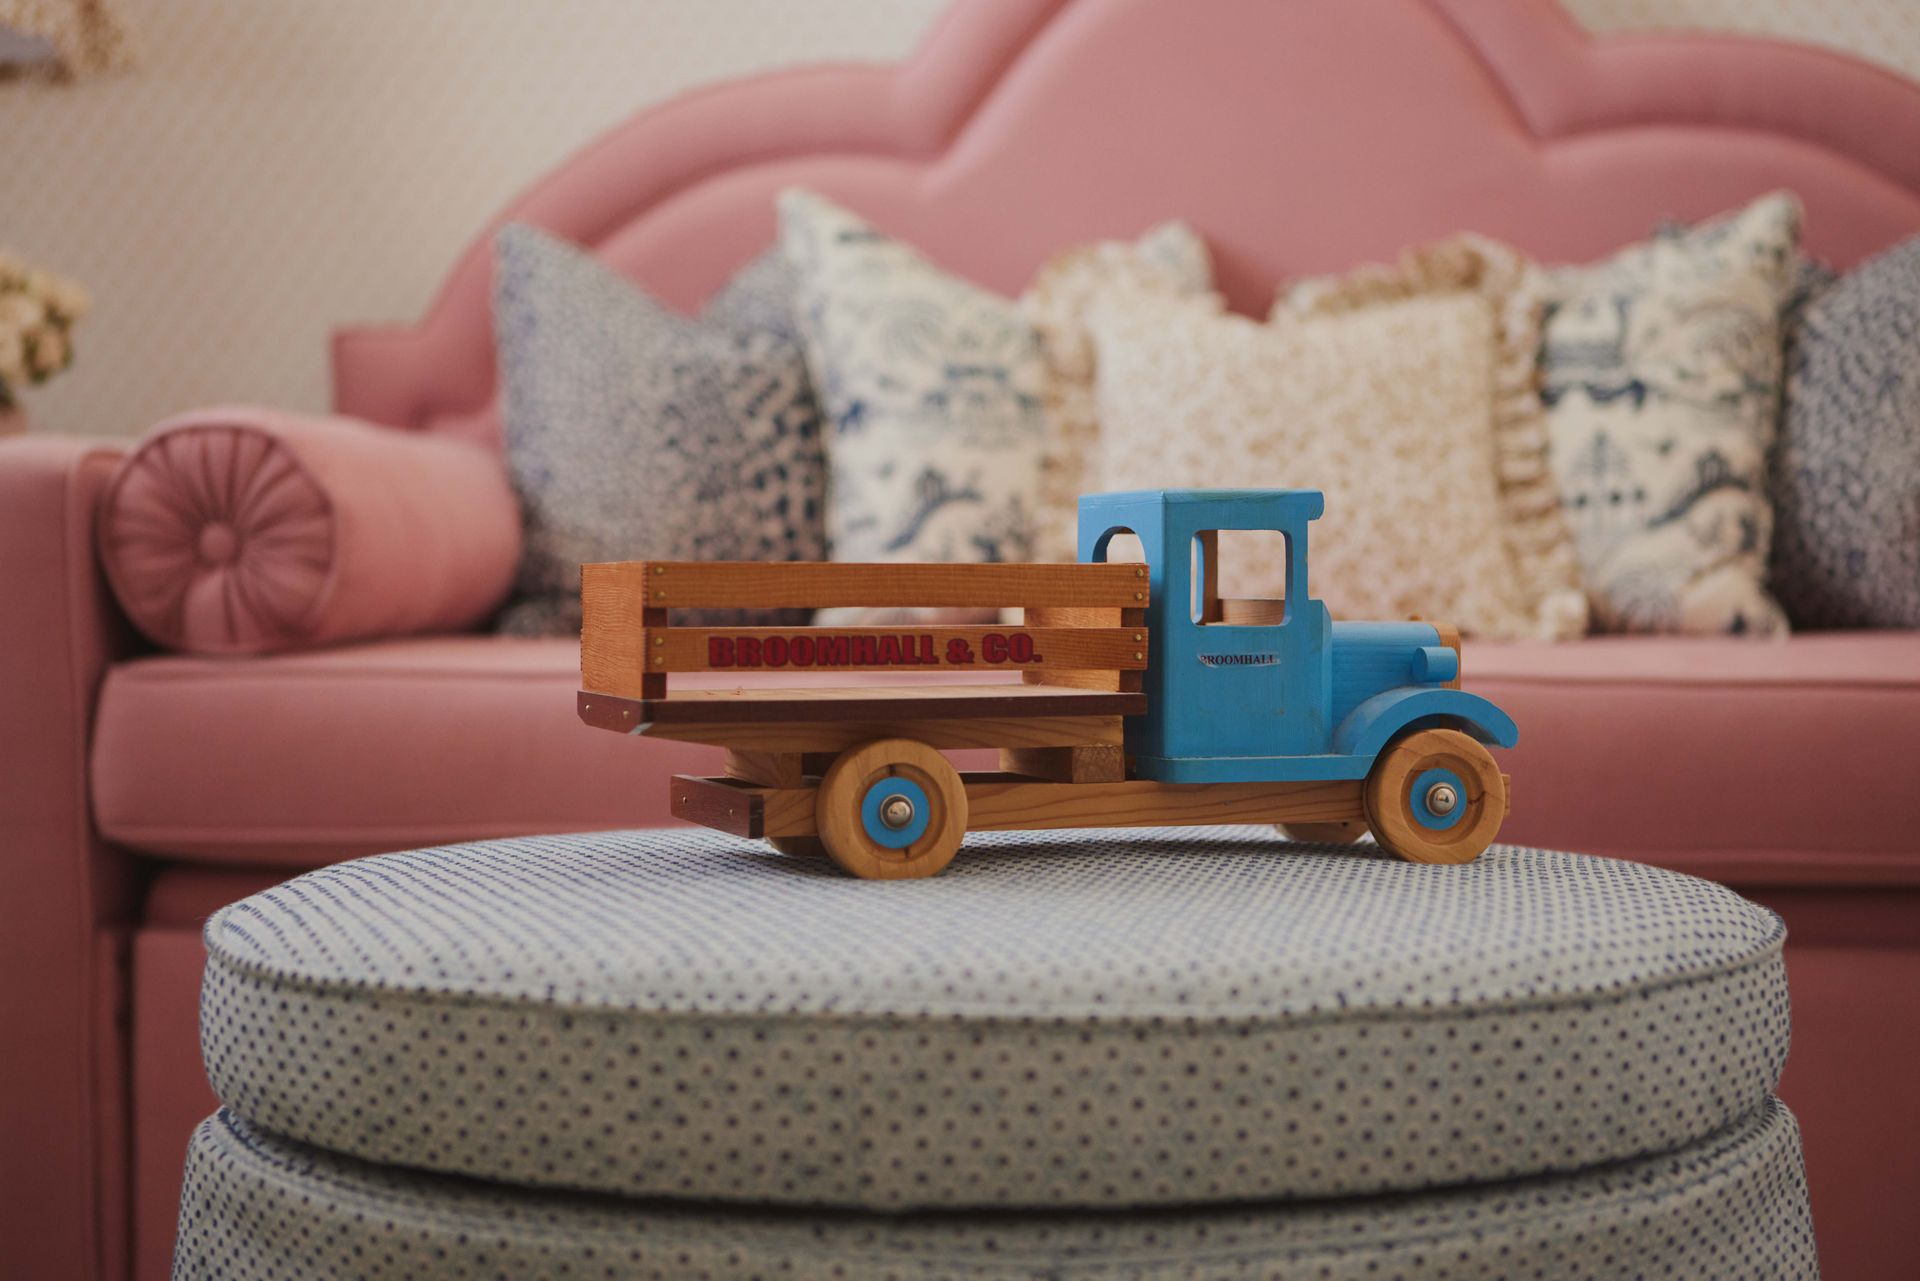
833 718
738 705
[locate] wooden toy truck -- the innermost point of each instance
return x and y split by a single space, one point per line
1143 698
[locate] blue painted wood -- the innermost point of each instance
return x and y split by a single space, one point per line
1299 700
1322 768
1435 665
1382 718
876 798
1422 812
1370 657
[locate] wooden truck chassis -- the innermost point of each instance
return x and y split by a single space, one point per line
1003 802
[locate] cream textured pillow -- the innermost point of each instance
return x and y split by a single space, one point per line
1663 372
1404 393
1169 260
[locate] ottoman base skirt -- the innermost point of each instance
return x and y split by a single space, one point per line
1731 1205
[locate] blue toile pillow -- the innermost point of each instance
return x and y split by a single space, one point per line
1846 549
960 423
633 431
1661 371
936 392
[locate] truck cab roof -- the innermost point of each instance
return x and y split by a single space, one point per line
1280 509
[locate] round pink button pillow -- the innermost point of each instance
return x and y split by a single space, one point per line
246 531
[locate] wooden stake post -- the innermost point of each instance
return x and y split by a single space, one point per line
855 771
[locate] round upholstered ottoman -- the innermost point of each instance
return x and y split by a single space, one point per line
1090 1054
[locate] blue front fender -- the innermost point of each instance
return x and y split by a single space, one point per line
1372 725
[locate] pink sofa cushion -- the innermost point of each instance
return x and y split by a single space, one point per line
1749 762
1763 763
300 759
246 531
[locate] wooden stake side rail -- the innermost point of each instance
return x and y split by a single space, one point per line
1012 802
631 585
889 649
628 645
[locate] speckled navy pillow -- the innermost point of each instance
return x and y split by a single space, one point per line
633 431
1846 549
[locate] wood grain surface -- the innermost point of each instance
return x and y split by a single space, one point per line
627 586
1104 764
865 649
818 703
815 738
1006 802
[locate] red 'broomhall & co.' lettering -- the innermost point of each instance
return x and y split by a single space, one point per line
906 649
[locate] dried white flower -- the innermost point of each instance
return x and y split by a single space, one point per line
21 312
37 311
13 358
50 352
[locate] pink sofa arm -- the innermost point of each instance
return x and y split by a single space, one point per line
64 895
246 531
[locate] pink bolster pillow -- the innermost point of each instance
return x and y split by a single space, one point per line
246 531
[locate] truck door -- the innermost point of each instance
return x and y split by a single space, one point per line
1252 686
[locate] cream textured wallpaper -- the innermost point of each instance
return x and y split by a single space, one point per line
274 168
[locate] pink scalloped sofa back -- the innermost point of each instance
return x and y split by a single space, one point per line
1300 137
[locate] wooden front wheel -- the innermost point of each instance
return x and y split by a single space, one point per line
891 810
1436 796
1346 833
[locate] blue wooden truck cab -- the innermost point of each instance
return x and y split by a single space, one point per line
1269 690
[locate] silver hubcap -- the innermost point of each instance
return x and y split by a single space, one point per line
896 812
1441 798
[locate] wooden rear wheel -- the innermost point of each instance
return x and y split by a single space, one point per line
1436 796
799 846
1346 833
891 810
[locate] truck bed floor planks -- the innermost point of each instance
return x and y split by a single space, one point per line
1143 698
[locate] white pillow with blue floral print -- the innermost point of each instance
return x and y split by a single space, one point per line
633 431
940 398
1661 374
932 390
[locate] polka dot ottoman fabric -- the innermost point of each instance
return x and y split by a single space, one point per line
1731 1207
1077 1019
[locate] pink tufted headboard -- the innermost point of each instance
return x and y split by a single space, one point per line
1299 135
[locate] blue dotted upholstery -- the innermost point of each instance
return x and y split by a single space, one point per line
1073 1019
1732 1207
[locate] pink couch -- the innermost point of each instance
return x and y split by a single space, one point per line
140 789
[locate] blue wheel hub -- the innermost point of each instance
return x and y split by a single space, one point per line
1438 799
895 812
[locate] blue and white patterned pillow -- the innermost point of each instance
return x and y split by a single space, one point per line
933 389
633 431
1847 478
1661 370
